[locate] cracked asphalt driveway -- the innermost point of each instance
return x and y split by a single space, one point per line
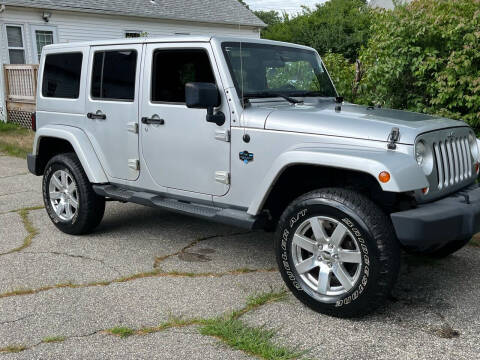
143 267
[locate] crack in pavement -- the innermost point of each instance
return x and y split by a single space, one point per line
253 303
83 257
31 232
160 259
17 320
9 176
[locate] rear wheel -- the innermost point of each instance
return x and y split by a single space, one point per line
337 252
70 201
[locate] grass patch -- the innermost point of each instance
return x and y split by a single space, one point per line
15 140
256 341
53 339
475 241
13 349
123 332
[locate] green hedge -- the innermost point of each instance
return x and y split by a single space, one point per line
423 57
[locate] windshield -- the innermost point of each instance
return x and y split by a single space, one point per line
261 70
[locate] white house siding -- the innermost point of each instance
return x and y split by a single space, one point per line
73 27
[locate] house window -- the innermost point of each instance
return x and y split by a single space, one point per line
61 75
42 39
114 74
133 34
172 69
16 49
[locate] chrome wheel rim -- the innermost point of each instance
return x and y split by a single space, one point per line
326 256
63 195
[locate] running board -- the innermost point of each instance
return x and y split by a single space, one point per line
225 216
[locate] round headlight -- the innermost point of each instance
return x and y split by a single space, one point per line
424 157
473 145
420 150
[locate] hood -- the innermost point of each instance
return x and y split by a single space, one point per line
352 121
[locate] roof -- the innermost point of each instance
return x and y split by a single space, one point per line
171 39
209 11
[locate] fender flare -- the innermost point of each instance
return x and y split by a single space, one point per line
82 146
406 175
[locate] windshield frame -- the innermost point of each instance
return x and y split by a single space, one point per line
251 44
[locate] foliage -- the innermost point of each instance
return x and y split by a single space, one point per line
342 73
340 26
271 17
425 57
15 140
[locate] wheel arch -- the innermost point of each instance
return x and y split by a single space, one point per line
338 165
56 139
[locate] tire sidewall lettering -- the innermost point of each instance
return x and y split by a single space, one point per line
285 245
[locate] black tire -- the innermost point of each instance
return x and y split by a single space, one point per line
91 207
371 228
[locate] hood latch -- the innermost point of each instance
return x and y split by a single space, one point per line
393 138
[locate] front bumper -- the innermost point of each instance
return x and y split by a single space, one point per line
429 226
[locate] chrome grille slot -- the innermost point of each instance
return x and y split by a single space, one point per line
453 161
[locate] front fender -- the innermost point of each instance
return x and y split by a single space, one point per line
405 173
82 146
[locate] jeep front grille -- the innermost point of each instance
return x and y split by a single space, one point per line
453 161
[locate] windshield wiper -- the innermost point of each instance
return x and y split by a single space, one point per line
271 94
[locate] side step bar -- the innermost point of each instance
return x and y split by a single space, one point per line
225 216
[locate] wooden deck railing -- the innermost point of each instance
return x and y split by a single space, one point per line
21 83
20 92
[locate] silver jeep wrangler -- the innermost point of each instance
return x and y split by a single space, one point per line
252 133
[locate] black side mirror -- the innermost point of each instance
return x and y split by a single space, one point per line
204 96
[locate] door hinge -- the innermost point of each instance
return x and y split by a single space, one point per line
223 135
133 127
222 177
134 164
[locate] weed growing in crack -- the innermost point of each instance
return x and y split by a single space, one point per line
123 332
53 339
31 230
13 349
256 341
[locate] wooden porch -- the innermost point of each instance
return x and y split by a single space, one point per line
20 92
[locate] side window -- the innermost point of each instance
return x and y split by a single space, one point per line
113 75
61 75
172 69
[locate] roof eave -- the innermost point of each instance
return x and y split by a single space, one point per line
259 24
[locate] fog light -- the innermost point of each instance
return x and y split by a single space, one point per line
384 176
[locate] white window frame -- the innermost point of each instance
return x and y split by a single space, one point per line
34 29
24 48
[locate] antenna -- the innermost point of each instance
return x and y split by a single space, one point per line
242 91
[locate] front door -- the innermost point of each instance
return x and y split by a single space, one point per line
181 149
112 108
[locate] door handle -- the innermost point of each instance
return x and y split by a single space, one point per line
98 115
153 120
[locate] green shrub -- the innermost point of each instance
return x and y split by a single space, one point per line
342 73
425 57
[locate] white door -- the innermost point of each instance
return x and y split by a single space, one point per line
112 108
183 151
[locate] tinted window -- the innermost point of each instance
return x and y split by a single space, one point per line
113 75
172 69
61 75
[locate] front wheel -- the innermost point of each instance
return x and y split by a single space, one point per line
337 252
70 201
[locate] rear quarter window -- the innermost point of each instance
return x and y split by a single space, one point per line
61 75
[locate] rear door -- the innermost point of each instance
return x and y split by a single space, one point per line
112 107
